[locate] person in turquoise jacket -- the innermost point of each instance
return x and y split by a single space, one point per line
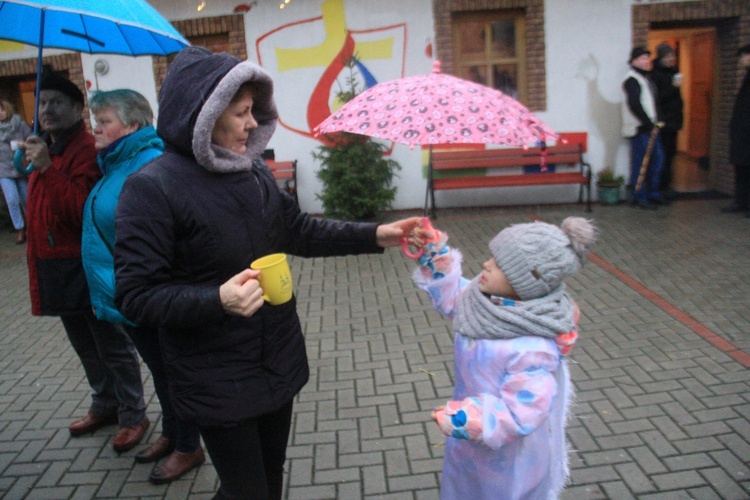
126 141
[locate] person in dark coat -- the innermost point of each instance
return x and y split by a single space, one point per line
65 170
739 140
187 227
668 81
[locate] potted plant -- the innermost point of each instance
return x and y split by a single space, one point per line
357 179
608 185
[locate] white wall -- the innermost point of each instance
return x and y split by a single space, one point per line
588 45
135 73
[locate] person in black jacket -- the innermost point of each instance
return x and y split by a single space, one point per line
668 81
187 227
739 140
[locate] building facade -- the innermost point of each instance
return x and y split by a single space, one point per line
564 59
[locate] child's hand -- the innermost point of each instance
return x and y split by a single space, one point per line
421 236
437 414
565 341
460 419
436 259
423 233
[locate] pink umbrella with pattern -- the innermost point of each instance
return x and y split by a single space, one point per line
438 109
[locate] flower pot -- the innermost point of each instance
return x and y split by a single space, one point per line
609 195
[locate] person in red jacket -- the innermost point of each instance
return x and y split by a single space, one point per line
65 170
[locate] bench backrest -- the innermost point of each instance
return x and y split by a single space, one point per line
282 169
505 157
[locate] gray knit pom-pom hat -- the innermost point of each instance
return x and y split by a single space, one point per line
537 257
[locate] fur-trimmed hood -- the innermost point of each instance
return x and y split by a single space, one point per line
198 87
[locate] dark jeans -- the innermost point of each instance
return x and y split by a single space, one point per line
669 144
184 434
650 185
249 458
111 365
742 186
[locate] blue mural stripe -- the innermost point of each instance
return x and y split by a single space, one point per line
370 80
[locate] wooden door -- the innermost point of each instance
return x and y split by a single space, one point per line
27 91
701 86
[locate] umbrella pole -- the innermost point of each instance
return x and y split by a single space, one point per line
38 73
19 154
429 190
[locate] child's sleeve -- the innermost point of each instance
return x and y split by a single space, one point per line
525 400
565 341
439 274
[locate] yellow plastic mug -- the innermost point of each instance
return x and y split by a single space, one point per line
275 278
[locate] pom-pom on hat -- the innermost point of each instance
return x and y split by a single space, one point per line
537 257
53 81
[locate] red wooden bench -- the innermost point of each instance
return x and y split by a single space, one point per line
456 162
286 172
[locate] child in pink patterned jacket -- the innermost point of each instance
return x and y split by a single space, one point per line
514 322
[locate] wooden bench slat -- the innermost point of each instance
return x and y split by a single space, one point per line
457 160
285 171
499 162
506 152
509 180
283 174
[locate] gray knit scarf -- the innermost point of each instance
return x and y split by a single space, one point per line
480 318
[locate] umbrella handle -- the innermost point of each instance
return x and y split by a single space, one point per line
18 163
408 252
424 225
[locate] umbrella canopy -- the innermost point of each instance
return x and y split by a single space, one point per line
128 27
437 109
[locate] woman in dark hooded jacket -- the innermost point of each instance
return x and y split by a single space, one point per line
188 226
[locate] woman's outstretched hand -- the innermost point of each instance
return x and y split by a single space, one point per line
242 295
389 235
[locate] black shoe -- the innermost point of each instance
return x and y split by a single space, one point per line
659 201
645 205
670 194
733 209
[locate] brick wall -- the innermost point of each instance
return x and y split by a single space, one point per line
63 62
732 21
232 26
535 49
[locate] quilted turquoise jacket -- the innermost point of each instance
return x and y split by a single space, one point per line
98 242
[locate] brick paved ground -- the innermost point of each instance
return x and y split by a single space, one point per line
661 371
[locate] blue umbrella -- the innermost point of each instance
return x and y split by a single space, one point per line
128 27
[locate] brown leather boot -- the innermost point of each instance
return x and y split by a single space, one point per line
176 466
158 450
128 437
90 423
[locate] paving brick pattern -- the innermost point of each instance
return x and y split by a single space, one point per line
662 371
